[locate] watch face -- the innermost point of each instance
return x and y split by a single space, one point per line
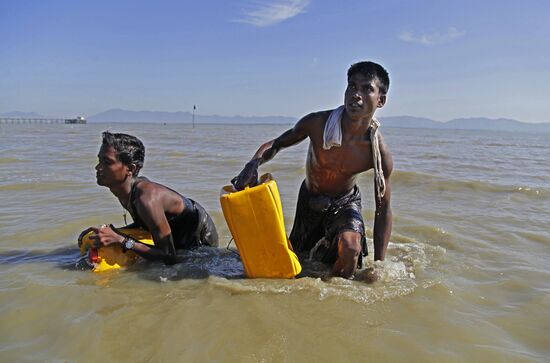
129 244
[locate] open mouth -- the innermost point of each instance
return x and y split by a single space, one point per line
355 105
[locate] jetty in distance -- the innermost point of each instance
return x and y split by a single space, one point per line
24 120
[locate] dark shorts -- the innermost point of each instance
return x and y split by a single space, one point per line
321 216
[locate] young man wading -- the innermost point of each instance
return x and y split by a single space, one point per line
174 221
342 144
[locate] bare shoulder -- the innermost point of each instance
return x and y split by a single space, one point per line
313 120
148 191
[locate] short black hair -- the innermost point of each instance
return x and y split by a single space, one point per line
371 70
129 149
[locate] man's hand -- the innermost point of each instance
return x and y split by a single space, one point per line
248 176
105 236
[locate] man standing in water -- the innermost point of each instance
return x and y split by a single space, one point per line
175 222
343 143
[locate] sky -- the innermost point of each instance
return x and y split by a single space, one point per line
446 59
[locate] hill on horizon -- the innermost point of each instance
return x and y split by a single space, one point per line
472 123
119 115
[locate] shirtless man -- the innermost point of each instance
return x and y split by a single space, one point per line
174 221
328 212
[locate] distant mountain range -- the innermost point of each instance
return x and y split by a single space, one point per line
118 115
476 123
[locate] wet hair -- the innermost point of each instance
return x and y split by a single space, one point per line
129 149
371 70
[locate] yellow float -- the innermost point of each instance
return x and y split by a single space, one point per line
113 257
255 219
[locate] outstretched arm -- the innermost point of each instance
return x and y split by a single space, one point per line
288 138
150 208
249 175
383 213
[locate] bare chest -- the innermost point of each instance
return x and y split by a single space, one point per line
347 160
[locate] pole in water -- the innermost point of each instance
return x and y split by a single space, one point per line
194 108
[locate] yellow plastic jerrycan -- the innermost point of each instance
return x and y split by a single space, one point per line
112 257
255 218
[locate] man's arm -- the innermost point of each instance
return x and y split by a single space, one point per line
150 208
383 212
249 175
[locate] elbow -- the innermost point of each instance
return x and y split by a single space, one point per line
167 254
170 258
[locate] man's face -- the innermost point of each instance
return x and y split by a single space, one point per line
109 170
362 96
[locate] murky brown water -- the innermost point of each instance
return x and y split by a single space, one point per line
466 278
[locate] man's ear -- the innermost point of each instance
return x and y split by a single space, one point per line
381 101
132 168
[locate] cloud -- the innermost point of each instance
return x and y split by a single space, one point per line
432 38
263 14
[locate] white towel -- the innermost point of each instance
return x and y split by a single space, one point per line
379 179
332 136
333 129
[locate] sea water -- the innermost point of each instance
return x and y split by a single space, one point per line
466 276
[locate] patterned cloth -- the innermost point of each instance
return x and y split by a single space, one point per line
320 219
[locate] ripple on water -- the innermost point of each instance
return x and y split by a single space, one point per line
432 182
400 275
7 161
378 281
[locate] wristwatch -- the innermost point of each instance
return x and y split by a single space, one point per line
128 244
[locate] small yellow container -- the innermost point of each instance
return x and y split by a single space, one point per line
255 218
112 257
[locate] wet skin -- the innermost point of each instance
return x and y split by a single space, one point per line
154 202
334 172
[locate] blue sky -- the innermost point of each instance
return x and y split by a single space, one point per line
446 59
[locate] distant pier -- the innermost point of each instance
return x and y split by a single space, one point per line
22 120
